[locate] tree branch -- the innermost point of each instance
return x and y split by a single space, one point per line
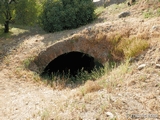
10 1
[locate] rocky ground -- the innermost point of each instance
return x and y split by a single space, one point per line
132 90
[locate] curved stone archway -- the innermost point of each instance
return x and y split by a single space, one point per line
96 49
71 64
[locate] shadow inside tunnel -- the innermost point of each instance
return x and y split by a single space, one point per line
72 65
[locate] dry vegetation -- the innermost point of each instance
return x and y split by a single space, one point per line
122 92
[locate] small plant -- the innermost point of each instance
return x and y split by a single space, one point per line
36 77
133 47
62 79
99 10
116 76
45 115
142 78
27 62
114 8
18 72
158 12
148 14
120 46
91 86
83 76
7 60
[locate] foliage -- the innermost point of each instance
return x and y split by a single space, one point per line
26 62
6 12
66 14
18 11
26 12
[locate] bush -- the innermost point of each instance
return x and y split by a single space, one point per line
66 14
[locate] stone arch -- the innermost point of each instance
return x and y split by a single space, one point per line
71 64
96 49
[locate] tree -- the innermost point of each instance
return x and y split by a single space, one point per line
6 11
26 12
21 11
66 14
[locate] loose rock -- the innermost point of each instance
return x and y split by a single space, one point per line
110 115
157 65
140 67
124 14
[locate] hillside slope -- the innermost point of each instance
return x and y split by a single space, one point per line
131 90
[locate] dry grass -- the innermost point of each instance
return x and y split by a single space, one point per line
133 47
122 46
90 86
99 10
115 77
119 43
122 90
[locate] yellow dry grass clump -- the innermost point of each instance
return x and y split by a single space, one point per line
89 86
120 44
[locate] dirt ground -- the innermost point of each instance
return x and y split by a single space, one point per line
136 96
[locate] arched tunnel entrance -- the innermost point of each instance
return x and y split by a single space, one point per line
71 64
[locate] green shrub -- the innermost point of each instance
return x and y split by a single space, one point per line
66 14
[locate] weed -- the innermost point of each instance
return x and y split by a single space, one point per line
83 108
18 72
27 62
90 86
83 76
121 47
6 60
158 12
82 91
99 10
104 107
142 78
148 14
36 77
115 8
113 118
45 115
134 47
115 77
62 79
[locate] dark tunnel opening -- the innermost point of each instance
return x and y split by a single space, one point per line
71 64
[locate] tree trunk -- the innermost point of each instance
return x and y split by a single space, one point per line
6 26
